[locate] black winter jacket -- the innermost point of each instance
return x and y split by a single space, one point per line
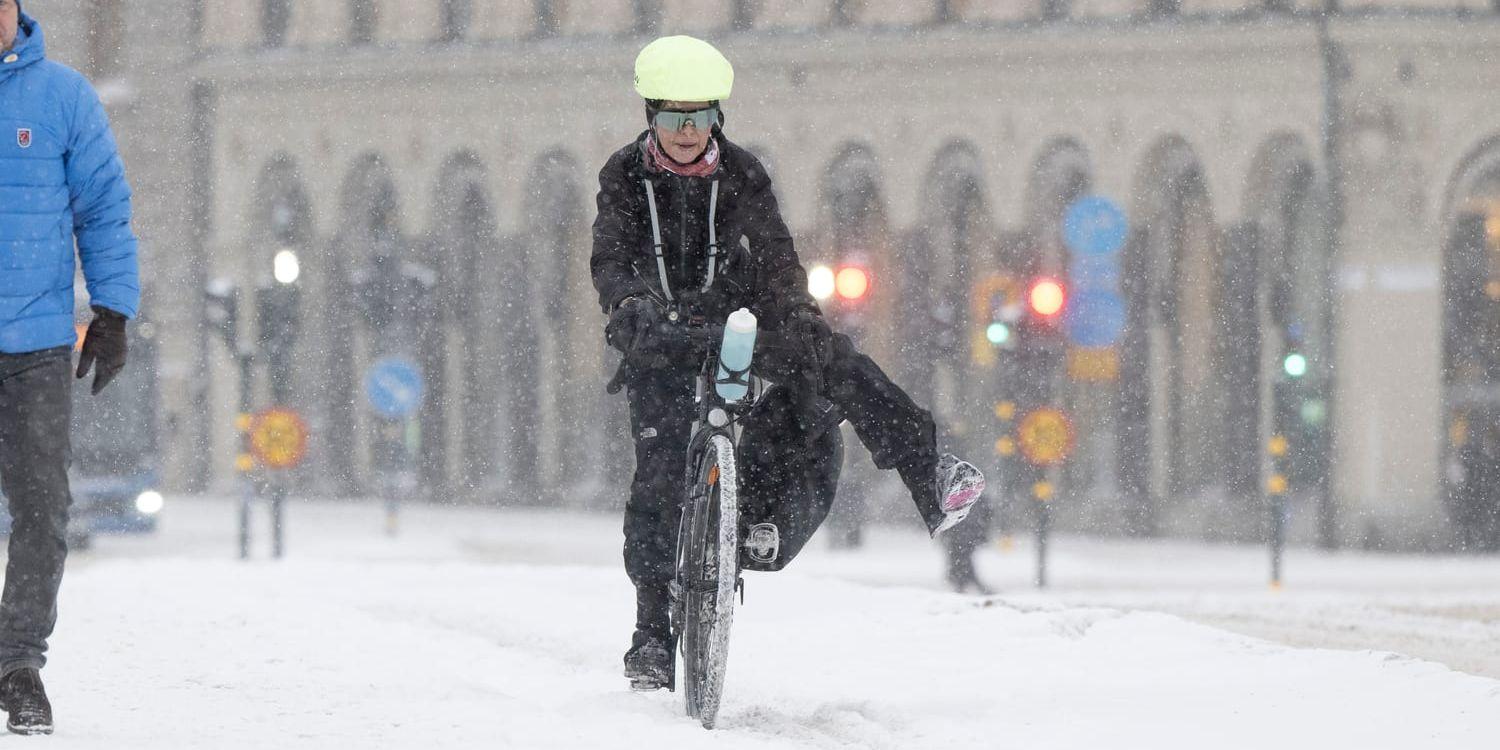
757 265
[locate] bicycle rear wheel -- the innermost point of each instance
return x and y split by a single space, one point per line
707 573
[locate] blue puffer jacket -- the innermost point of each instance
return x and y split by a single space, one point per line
60 179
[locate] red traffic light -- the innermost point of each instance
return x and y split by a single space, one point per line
851 283
1046 297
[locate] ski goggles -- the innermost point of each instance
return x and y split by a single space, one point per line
702 119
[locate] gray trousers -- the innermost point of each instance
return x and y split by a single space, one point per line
35 408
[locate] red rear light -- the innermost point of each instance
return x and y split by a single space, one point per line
1047 297
852 283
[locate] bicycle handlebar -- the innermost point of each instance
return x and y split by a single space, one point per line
675 340
712 335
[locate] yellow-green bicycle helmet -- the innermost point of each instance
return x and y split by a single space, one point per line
683 69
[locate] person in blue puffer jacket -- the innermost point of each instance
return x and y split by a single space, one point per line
61 186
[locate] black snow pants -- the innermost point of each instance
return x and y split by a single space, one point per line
790 462
35 408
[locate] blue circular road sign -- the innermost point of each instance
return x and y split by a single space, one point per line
1096 318
1094 225
394 387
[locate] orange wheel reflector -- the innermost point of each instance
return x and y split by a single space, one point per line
713 475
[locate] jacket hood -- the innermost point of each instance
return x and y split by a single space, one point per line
29 47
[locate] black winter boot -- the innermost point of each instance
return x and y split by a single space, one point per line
649 663
22 694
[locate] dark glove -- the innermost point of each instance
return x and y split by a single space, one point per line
808 324
630 323
105 342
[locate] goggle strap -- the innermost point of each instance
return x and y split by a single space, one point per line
713 235
661 262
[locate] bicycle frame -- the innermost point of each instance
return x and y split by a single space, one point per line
704 631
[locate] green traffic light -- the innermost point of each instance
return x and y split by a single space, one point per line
997 333
1295 365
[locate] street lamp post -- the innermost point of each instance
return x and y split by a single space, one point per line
1335 72
221 299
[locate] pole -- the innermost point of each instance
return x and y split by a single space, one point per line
1278 537
403 476
1042 492
278 497
1276 489
1335 72
244 463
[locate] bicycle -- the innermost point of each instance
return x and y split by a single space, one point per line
708 558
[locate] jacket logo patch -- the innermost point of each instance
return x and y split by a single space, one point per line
23 137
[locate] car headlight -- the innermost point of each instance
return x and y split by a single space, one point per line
149 502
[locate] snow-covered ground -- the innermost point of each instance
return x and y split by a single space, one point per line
478 628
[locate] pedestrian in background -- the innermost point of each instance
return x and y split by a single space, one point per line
61 183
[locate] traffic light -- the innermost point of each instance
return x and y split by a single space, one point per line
843 290
1040 351
845 284
1046 299
1294 364
278 312
851 284
999 333
221 311
1040 323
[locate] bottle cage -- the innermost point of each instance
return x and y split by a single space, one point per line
733 377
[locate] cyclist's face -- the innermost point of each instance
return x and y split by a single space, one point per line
683 145
10 19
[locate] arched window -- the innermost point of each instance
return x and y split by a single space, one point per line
843 13
1471 355
1163 8
945 12
647 16
742 15
548 17
456 17
464 241
364 18
275 18
1171 432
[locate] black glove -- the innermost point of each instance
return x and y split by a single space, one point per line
105 342
630 322
808 324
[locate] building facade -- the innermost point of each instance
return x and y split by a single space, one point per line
1298 179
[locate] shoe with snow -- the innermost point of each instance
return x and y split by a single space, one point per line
24 698
763 542
963 583
649 663
960 484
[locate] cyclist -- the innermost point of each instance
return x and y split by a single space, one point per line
688 227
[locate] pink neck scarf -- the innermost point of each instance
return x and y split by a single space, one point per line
657 159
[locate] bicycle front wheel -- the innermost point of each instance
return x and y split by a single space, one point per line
707 573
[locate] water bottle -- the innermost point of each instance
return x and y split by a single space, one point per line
735 353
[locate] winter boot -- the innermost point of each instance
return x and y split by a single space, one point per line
649 663
22 695
963 580
959 485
